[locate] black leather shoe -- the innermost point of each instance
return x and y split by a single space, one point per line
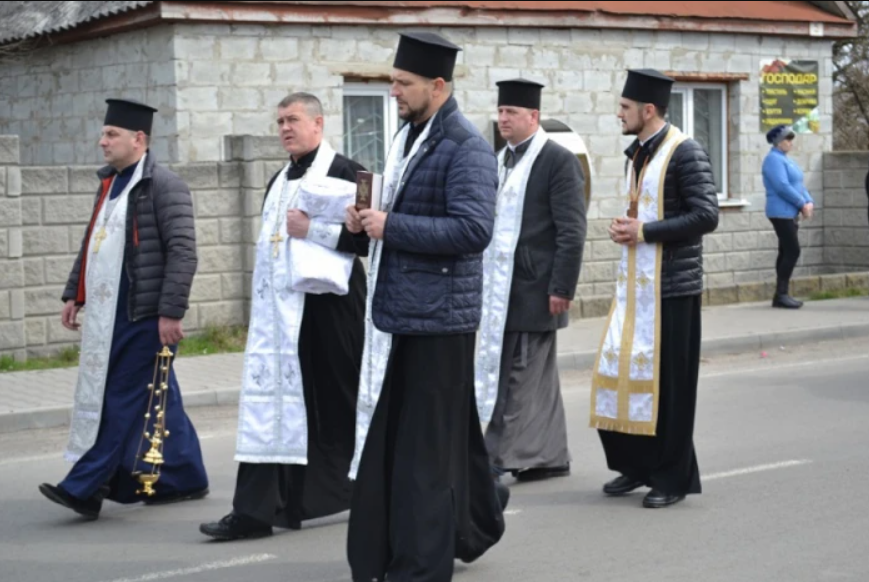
176 497
621 485
656 500
540 473
786 302
90 508
503 493
236 527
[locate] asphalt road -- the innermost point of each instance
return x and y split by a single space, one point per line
782 447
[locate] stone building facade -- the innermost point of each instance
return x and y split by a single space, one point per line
216 72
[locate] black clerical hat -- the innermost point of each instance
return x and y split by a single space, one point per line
426 54
129 114
519 93
648 86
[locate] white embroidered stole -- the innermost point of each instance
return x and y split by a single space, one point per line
378 344
498 264
272 417
625 379
105 265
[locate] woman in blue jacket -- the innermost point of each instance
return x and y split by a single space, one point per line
786 199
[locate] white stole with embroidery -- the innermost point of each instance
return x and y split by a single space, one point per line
377 343
272 417
624 396
498 263
104 269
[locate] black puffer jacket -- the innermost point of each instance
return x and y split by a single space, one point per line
690 211
160 256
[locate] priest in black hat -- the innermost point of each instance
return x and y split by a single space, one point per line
133 275
423 494
531 272
644 385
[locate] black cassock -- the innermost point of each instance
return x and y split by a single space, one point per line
667 462
330 354
424 493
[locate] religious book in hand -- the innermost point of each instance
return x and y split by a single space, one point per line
368 189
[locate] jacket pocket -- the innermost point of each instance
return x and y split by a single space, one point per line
527 268
426 285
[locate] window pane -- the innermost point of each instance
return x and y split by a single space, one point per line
676 111
708 118
365 130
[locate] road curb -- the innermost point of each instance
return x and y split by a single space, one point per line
60 416
742 344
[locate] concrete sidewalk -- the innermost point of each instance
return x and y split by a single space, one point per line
43 399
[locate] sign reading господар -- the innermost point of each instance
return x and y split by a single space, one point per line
789 95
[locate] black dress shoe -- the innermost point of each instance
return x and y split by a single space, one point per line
503 493
176 497
656 500
539 473
90 508
236 527
621 485
786 302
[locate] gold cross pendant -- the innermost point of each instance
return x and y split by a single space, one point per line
99 238
276 240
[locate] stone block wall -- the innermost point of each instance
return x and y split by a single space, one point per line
846 218
236 74
44 211
12 309
213 81
218 294
55 99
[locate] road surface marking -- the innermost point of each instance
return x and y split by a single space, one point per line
758 469
234 563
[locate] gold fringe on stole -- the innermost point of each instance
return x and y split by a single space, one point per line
623 385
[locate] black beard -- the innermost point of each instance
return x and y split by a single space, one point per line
416 115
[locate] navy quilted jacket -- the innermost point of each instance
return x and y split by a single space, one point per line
431 269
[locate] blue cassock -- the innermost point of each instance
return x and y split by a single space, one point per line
131 368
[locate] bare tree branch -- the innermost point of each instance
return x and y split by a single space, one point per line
851 84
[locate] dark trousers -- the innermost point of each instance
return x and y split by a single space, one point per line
788 251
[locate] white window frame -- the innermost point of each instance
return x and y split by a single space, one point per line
687 91
390 108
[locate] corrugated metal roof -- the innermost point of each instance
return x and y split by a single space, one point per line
790 11
21 20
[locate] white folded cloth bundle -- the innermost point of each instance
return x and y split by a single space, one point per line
315 265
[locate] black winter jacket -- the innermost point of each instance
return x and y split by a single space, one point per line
690 211
160 256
